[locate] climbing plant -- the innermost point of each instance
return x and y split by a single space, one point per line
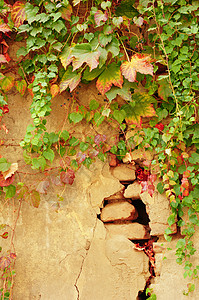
143 52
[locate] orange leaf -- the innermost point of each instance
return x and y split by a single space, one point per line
54 89
7 83
18 14
4 28
139 63
21 86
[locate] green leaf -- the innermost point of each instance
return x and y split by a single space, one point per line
111 75
70 79
10 191
83 146
4 164
124 92
194 159
141 106
73 141
93 104
64 135
83 53
49 154
90 75
98 118
113 47
160 187
171 219
33 198
126 9
58 26
119 115
75 117
164 90
21 86
104 39
39 163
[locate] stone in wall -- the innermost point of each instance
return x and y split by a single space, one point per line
132 231
124 172
121 210
158 210
133 191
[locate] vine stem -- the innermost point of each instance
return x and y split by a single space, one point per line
124 48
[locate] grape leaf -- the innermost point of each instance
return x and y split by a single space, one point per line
126 9
82 53
164 90
111 75
3 59
113 47
141 107
89 76
21 86
66 57
100 16
104 39
4 28
124 92
10 191
18 14
4 164
70 79
139 63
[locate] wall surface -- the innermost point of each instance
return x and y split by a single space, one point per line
86 249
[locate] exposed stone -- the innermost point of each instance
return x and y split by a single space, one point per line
140 154
133 191
121 210
132 231
124 172
112 269
158 210
117 196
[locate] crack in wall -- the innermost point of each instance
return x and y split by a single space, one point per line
83 260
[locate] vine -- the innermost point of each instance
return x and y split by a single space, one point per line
145 52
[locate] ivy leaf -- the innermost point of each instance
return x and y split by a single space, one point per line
3 59
33 198
100 16
75 117
18 14
13 168
4 28
43 187
75 2
119 115
6 182
111 75
164 90
141 107
7 83
21 86
70 79
82 53
67 177
4 164
49 154
66 12
139 63
10 191
54 89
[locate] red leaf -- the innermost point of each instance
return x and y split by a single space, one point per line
4 262
18 14
4 28
6 182
21 86
80 157
5 128
139 63
5 109
4 235
13 255
56 180
99 139
159 126
67 177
